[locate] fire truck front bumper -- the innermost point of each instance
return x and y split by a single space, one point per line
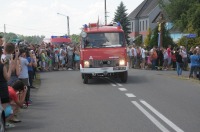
104 70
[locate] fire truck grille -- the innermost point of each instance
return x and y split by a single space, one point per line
105 63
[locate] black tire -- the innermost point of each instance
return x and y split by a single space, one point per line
82 75
2 125
85 78
124 76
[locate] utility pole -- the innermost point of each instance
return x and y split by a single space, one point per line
4 28
68 25
161 23
105 14
67 22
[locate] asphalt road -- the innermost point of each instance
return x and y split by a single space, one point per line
151 101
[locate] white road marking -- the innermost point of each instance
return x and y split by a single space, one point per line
156 122
114 85
119 84
112 81
171 124
130 95
122 89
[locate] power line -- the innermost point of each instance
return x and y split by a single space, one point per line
21 27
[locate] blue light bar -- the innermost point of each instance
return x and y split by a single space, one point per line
59 36
118 24
85 26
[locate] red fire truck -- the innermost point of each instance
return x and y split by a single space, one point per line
60 40
103 52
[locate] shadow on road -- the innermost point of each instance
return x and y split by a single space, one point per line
137 79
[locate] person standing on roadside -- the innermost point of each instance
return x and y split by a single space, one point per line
70 52
134 53
169 60
143 56
15 68
154 57
23 76
130 55
194 64
179 61
185 60
5 73
31 58
160 59
189 54
198 62
77 57
6 64
165 56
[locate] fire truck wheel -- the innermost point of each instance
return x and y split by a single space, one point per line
85 78
124 76
82 75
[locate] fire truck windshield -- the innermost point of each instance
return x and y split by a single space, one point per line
104 40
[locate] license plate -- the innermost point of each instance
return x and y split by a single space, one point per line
104 68
119 68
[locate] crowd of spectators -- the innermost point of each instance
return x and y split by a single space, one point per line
169 58
20 62
18 66
57 57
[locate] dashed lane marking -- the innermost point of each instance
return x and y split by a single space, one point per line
119 84
122 89
156 122
114 85
130 95
161 116
109 81
112 81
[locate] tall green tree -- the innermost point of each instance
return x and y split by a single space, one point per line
75 38
12 37
184 14
148 38
166 38
122 17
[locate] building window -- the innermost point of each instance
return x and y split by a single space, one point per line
140 25
132 27
146 25
143 25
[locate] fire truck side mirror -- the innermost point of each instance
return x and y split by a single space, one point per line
83 34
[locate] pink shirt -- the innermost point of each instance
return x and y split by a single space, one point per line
169 52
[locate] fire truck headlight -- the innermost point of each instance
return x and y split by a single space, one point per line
86 64
121 62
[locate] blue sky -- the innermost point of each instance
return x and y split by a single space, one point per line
39 17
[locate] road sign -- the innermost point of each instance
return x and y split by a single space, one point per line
191 36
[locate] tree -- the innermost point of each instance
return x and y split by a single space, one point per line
148 38
122 17
184 14
138 40
166 38
75 38
12 37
